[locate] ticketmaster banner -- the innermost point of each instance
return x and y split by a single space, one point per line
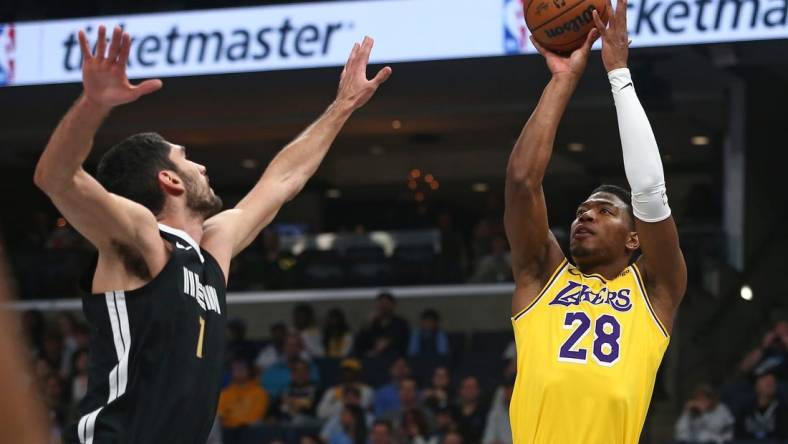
321 34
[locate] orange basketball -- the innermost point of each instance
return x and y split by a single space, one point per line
562 25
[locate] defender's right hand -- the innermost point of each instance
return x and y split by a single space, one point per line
104 72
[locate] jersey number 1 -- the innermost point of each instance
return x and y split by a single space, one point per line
607 332
199 339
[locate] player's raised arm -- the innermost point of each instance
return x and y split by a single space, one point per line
100 216
662 261
229 232
535 252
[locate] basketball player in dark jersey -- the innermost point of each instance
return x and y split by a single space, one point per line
157 307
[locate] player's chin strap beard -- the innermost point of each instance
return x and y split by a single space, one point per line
205 204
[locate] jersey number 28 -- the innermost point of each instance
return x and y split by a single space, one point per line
607 332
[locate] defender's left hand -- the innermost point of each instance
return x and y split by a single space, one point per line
354 88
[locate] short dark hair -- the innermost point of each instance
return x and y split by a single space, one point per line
245 362
131 168
386 295
431 314
620 192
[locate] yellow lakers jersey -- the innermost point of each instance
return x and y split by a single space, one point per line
588 350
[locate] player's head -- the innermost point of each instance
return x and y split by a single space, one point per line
604 227
381 432
241 370
441 378
299 372
408 391
469 390
385 304
155 173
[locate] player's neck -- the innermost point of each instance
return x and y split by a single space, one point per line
185 221
608 270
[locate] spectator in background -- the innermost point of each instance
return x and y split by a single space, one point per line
499 429
55 400
78 377
273 352
237 343
495 266
468 410
278 376
454 438
705 418
387 332
333 424
387 396
415 428
263 259
305 324
768 417
277 264
771 356
453 259
510 360
53 350
333 399
34 327
337 339
381 433
429 340
438 395
42 371
354 427
300 397
409 402
67 326
481 241
309 439
444 423
242 403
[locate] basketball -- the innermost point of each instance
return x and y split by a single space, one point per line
562 25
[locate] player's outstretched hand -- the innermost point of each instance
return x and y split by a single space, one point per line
615 37
573 64
354 87
104 71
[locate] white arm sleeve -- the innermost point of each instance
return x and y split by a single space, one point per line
642 161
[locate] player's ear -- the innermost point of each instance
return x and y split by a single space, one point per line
171 183
633 242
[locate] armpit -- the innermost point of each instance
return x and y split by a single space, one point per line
133 260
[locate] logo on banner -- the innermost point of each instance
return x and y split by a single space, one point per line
515 33
7 52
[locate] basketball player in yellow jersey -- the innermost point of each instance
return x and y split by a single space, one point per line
590 333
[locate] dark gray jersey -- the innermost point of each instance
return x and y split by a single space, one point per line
156 354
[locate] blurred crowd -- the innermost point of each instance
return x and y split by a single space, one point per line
753 406
390 381
49 257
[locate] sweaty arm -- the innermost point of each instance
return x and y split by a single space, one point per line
105 219
535 252
661 262
229 232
